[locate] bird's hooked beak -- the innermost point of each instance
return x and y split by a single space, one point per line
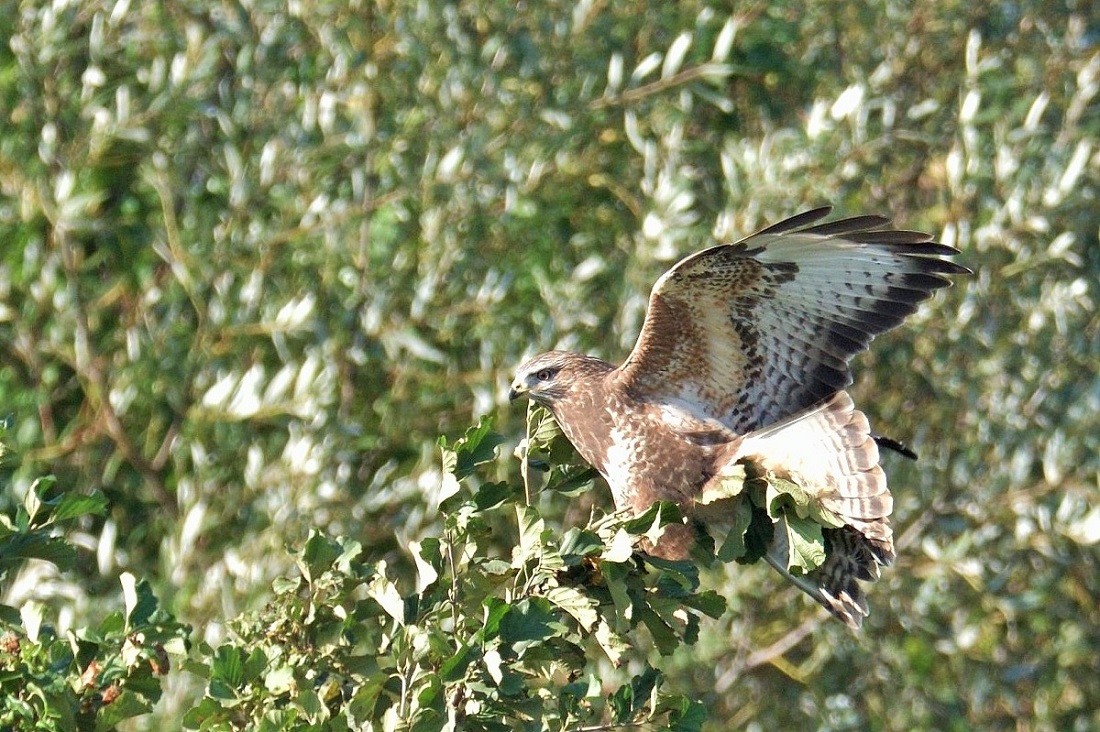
517 390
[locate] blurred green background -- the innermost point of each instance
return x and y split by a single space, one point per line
257 256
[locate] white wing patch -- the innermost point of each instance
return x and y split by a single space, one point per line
681 417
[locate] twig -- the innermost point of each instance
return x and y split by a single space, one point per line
686 76
773 652
770 653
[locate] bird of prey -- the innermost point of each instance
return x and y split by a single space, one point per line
742 364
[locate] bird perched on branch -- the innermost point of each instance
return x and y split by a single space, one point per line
740 370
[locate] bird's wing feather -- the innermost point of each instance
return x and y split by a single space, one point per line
752 332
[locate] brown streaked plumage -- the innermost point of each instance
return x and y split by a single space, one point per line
743 356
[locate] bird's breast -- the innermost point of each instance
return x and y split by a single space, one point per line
646 462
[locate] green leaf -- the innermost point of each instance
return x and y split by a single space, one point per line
631 699
140 601
36 545
615 576
477 446
228 666
385 593
142 682
531 619
495 610
757 537
286 585
72 505
350 551
31 615
495 567
279 680
677 575
658 515
734 546
129 592
571 480
613 644
310 703
782 496
548 449
112 623
578 605
427 559
805 543
428 694
429 720
462 457
644 684
222 690
254 666
126 705
729 485
622 703
825 517
664 637
531 528
32 501
361 707
454 668
709 603
684 715
491 495
542 428
449 485
620 549
318 555
278 720
579 543
206 710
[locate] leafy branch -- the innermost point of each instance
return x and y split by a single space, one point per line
475 641
91 678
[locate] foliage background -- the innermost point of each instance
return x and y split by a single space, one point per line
258 255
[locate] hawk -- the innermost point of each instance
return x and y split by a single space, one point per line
742 361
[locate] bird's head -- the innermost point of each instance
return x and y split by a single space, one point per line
551 376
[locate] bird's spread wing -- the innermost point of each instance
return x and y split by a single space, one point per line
752 332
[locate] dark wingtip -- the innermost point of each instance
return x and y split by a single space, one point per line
853 225
798 221
953 268
897 446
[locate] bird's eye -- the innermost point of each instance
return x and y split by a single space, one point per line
544 375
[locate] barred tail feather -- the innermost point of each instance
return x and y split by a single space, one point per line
829 451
